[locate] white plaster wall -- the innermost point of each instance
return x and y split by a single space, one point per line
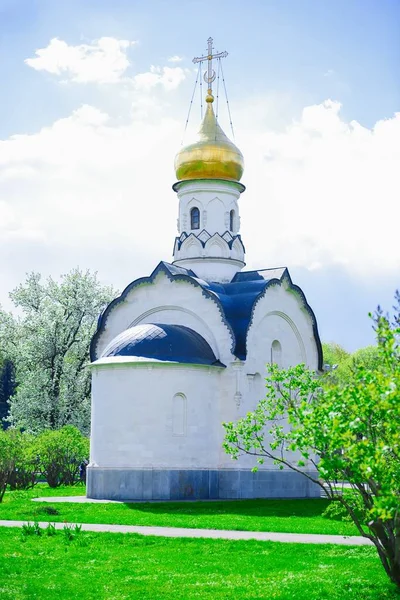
132 405
212 269
173 302
280 315
215 199
133 416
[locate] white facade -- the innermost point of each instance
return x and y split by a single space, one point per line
158 417
185 349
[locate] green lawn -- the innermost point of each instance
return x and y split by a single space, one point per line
126 566
289 516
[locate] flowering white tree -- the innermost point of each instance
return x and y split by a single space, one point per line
49 345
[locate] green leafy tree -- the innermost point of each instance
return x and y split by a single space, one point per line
335 433
368 358
9 452
60 454
334 354
7 387
342 365
49 346
24 474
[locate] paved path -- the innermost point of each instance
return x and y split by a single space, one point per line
299 538
76 500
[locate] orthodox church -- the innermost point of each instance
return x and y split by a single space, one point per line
185 349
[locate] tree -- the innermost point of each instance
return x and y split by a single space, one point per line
24 474
60 455
7 387
334 354
49 345
341 363
334 433
9 449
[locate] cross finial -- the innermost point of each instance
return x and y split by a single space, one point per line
210 75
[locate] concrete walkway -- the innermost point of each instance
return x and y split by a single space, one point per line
180 532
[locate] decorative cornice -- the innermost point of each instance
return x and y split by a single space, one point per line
185 236
227 182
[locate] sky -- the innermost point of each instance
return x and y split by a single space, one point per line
95 96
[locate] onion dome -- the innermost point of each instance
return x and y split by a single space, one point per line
161 342
212 156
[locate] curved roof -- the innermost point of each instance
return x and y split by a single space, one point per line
236 301
212 155
161 342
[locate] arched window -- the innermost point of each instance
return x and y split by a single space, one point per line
276 353
195 218
179 409
231 219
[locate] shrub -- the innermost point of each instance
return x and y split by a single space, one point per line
23 476
9 448
60 454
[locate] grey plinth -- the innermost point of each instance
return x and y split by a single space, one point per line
196 484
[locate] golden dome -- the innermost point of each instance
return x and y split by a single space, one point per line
212 156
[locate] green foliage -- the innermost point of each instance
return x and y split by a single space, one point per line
49 346
51 530
334 354
280 515
71 531
7 387
345 364
338 433
57 455
31 529
60 453
24 474
9 449
338 512
120 566
48 510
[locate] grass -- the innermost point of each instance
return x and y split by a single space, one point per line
125 566
287 516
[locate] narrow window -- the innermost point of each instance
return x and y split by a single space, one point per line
276 353
231 219
195 218
179 414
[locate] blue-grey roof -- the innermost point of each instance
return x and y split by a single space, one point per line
236 301
170 343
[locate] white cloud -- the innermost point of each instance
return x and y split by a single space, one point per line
320 191
327 192
175 59
103 61
168 77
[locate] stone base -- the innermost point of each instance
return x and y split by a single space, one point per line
196 484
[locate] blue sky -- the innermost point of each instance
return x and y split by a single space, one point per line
309 48
326 74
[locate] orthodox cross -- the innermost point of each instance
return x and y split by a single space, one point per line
210 75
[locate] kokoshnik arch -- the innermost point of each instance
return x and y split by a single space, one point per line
185 349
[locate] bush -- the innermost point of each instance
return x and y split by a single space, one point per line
61 452
23 476
9 448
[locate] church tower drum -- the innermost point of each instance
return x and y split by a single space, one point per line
208 188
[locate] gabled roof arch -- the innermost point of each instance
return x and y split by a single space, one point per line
173 273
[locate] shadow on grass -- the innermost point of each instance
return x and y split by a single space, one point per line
255 508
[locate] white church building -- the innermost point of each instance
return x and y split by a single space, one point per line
185 349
